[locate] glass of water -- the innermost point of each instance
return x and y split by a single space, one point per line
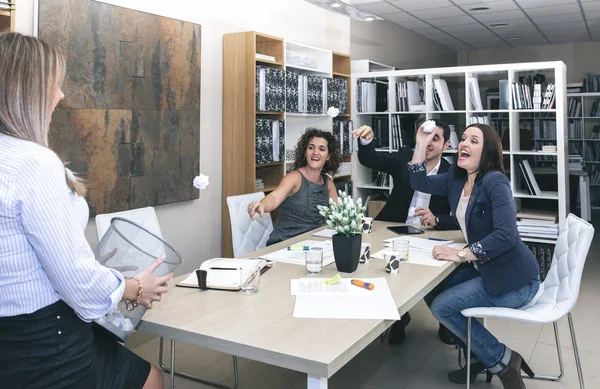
314 260
401 248
249 278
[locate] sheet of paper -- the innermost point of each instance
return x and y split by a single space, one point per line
419 243
316 286
415 257
326 233
377 304
297 257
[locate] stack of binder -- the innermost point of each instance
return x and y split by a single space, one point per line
270 141
270 89
441 95
408 95
528 181
306 93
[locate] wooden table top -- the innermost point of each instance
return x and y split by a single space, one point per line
261 326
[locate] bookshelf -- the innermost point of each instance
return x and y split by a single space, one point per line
7 16
584 137
250 113
462 101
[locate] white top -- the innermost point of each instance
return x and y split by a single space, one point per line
461 210
419 199
44 256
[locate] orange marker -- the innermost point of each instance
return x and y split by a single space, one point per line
362 284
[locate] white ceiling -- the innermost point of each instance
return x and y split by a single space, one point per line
453 23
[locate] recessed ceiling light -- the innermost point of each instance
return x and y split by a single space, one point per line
369 19
480 8
499 24
513 38
335 5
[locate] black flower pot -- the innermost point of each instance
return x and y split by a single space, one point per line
346 251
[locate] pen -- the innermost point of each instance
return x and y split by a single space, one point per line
440 240
362 284
298 248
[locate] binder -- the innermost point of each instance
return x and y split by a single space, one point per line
223 273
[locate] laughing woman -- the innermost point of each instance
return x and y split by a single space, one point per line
497 269
317 159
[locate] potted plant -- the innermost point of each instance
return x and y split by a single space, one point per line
345 217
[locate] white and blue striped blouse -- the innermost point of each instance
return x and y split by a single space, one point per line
44 256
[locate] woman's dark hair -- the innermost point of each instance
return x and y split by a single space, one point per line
335 157
491 153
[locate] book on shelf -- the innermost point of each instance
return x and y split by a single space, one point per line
595 112
591 83
344 170
270 89
381 136
270 141
504 95
344 186
475 94
408 93
528 176
575 87
479 119
265 57
381 178
443 93
574 107
341 132
541 215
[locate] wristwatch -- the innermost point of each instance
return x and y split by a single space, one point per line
437 221
462 255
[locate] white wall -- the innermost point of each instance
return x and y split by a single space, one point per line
194 227
580 58
391 44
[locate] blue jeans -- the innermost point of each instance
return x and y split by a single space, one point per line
464 289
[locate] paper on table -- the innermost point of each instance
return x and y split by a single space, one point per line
419 243
326 233
415 257
316 286
376 304
297 257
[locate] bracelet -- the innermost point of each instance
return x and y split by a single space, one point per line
131 305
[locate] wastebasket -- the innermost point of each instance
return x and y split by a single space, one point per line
129 248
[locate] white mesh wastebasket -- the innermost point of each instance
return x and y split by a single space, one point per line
129 248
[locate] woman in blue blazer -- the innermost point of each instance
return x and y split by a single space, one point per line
498 270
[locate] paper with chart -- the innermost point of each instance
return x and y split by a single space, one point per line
367 304
297 257
316 286
419 243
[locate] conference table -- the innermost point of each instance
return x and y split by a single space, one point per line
261 326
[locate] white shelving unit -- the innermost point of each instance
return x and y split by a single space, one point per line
586 143
488 77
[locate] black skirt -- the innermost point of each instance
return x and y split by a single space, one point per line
53 348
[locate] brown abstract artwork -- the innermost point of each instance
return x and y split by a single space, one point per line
130 120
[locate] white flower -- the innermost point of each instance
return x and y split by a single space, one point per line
201 182
333 112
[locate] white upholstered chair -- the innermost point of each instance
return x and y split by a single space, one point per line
557 295
146 217
247 235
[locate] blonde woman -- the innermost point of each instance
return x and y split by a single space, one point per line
51 287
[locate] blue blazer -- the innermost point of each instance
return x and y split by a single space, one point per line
503 260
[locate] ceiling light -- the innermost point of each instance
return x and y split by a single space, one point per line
513 38
346 9
480 8
499 24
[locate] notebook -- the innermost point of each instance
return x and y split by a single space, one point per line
223 273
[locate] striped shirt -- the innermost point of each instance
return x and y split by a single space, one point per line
44 256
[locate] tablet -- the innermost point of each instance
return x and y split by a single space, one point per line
405 230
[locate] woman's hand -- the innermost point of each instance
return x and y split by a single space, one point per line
445 253
153 287
364 132
254 207
423 138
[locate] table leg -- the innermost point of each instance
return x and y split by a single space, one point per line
314 382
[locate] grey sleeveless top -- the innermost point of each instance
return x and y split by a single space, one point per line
298 213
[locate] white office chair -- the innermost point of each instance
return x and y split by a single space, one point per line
557 295
146 217
247 235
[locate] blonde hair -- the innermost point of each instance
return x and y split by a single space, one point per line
30 73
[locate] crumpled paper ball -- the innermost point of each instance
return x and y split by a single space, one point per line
201 182
117 319
333 112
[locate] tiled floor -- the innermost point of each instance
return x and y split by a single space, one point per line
422 361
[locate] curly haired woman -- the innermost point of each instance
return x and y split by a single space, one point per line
317 159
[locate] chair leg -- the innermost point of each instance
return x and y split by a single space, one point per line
468 352
173 372
560 361
576 351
